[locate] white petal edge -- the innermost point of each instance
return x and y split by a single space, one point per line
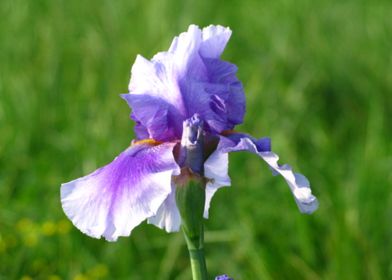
216 169
167 217
215 38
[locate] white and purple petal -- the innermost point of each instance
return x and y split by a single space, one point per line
188 79
298 183
114 199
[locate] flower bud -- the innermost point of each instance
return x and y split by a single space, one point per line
192 142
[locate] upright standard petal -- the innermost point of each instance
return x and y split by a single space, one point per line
188 79
298 183
214 40
114 199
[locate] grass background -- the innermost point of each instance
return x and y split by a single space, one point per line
318 80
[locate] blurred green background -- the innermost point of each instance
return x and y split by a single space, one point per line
318 81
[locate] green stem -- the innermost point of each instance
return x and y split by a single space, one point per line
196 255
198 264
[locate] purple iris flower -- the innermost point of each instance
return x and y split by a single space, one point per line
187 87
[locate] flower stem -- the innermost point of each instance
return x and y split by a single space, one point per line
196 255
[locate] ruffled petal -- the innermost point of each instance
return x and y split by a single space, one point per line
184 50
216 169
114 199
215 38
298 183
188 79
168 217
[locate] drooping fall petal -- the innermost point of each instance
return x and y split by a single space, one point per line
298 183
114 199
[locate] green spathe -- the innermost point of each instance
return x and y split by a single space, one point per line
190 202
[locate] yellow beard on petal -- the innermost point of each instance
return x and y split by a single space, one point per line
148 141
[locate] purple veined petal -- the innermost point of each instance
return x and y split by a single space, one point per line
298 183
221 72
167 217
114 199
216 169
155 117
225 86
140 131
208 104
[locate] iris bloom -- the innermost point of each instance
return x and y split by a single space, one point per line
187 87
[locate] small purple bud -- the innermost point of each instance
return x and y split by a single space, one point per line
223 277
